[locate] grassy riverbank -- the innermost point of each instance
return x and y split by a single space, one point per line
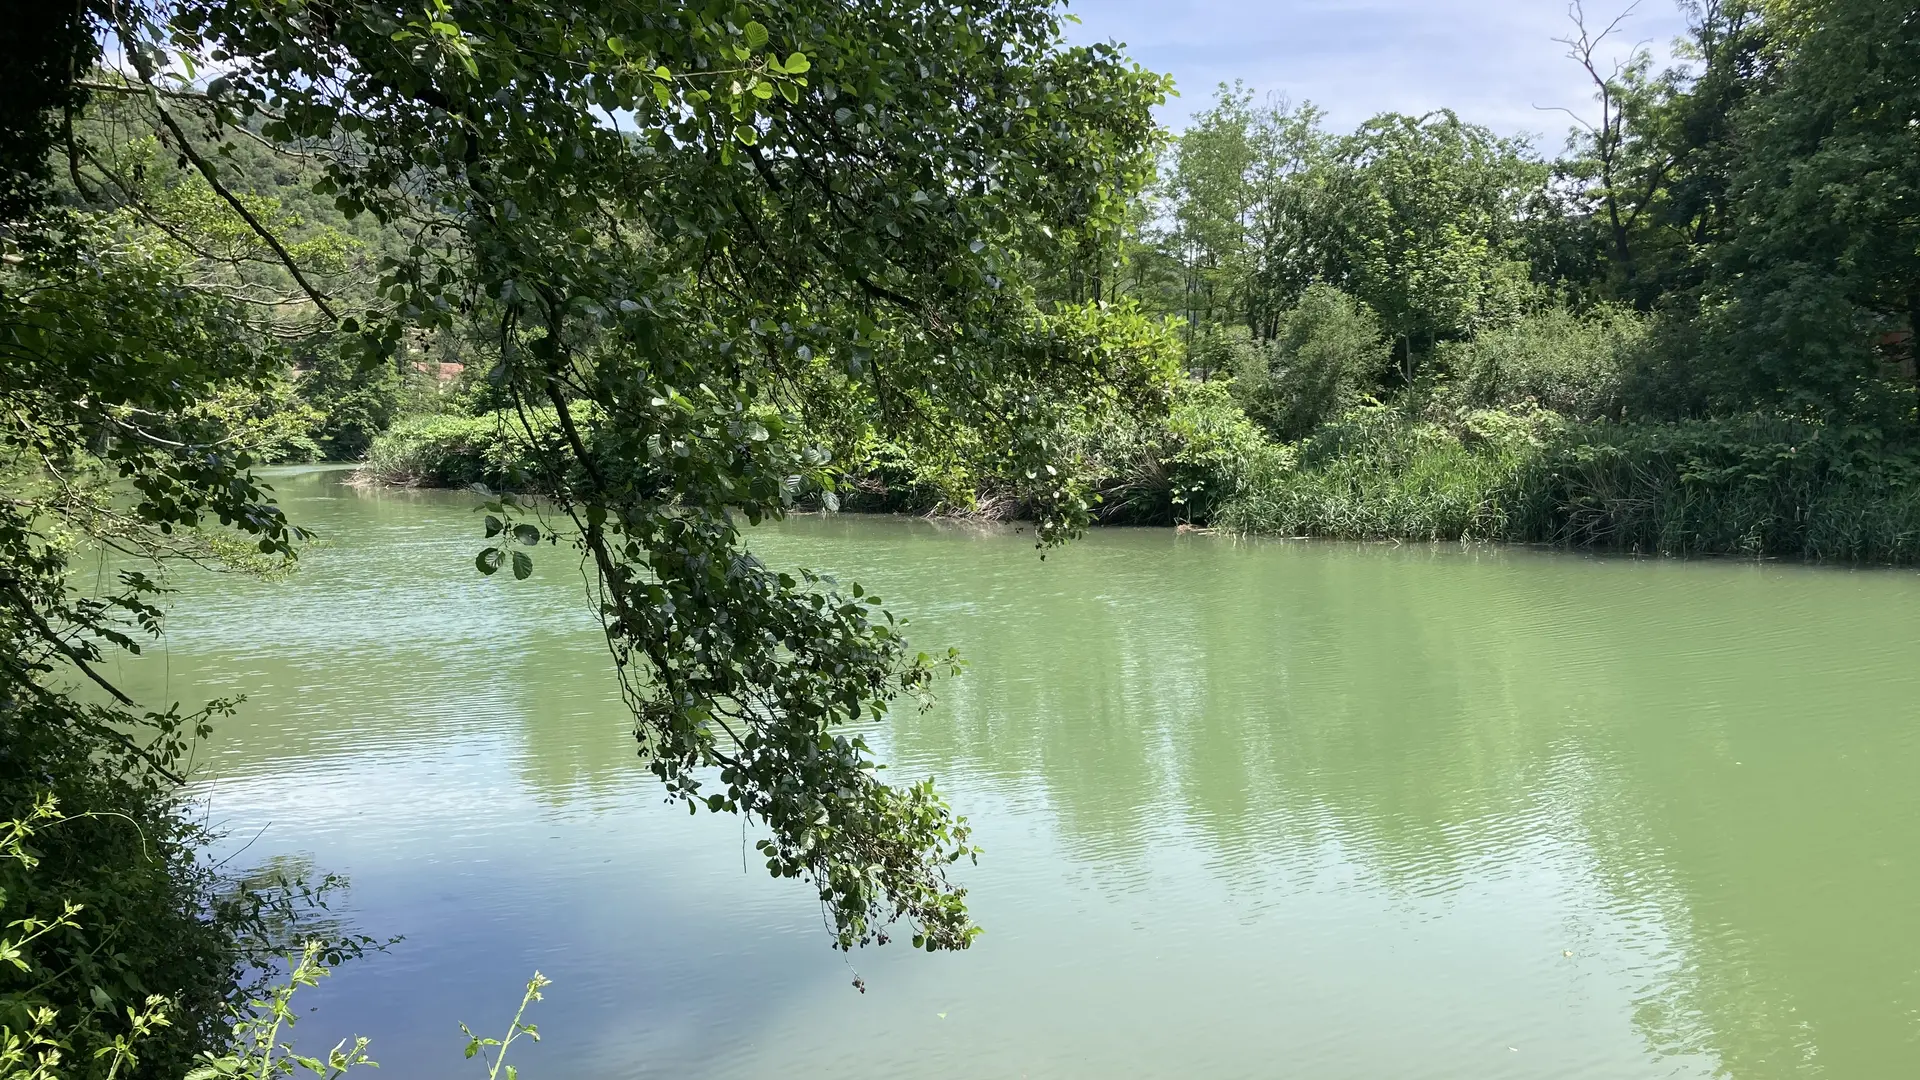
1754 486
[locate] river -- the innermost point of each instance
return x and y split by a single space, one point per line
1250 809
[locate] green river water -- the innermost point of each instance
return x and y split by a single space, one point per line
1250 810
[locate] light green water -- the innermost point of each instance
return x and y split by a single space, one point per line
1250 810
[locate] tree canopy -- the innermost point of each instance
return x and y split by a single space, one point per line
698 237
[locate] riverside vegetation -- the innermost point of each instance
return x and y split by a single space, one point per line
700 265
1690 333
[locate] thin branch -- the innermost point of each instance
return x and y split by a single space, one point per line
260 230
144 68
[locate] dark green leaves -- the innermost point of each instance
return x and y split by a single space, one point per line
491 559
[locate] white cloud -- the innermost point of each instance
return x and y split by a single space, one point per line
1492 61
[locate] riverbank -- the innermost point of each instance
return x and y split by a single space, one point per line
1753 486
1750 486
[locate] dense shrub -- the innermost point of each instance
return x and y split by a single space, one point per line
1378 473
151 921
1179 467
891 480
1433 470
1329 351
1575 365
455 451
1754 486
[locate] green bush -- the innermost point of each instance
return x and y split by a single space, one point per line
1376 473
456 451
1574 365
891 479
150 920
1756 485
1179 467
1329 352
1752 486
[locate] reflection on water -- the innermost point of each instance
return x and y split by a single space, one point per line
1250 810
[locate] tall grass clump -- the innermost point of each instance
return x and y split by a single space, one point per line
1754 486
1377 473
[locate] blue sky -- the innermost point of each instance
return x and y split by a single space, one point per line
1492 61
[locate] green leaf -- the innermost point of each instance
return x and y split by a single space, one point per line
756 35
797 64
488 561
527 534
494 525
522 565
746 134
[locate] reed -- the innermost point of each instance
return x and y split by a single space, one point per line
1753 486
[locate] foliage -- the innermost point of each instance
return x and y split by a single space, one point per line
44 1037
1734 233
1418 217
1827 190
1328 352
449 450
352 403
1575 365
1377 473
1751 486
494 1051
123 911
272 421
811 218
256 1049
140 380
1428 227
33 1036
1160 470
